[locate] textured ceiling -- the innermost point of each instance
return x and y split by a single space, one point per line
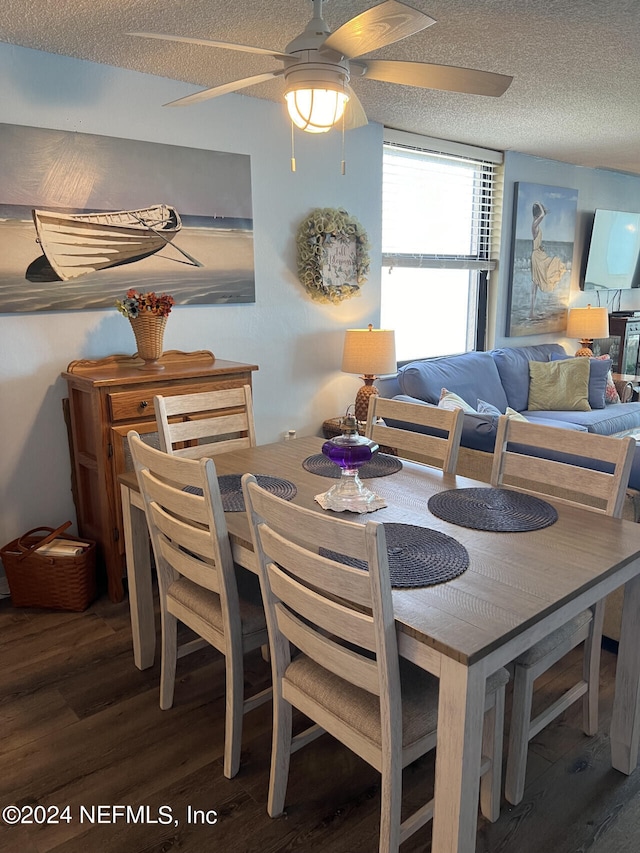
576 63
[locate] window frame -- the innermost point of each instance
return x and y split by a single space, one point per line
486 203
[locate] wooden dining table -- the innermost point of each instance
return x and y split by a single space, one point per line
517 589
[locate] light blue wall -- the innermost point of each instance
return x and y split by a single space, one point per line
596 188
296 342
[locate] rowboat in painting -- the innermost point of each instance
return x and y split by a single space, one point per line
79 243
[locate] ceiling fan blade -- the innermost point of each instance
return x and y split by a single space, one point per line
384 24
448 78
354 114
260 51
225 89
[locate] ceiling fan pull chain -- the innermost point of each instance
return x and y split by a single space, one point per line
293 151
344 162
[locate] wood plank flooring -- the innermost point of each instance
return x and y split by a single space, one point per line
81 726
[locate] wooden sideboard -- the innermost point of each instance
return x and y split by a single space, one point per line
107 398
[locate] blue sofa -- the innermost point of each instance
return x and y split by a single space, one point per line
500 378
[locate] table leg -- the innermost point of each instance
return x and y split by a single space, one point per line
136 541
458 757
625 722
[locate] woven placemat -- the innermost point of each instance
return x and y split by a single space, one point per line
497 510
231 490
418 556
379 466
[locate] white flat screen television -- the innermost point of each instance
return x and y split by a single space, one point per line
614 251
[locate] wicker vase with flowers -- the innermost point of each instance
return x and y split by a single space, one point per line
148 330
147 314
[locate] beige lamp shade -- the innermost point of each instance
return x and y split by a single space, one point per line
586 324
368 352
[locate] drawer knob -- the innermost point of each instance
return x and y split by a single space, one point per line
144 404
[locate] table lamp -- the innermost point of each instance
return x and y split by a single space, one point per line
368 352
586 324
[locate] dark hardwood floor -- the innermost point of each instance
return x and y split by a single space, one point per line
80 726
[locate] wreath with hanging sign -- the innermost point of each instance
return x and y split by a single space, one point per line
333 254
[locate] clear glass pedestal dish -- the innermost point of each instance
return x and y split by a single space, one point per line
350 451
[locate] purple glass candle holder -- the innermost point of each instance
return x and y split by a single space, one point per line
349 451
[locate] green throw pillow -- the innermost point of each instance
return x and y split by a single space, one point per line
561 386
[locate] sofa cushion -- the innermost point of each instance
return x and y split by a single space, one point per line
561 385
513 368
478 431
550 419
607 421
470 375
599 373
388 386
597 464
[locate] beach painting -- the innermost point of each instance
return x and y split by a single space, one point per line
544 230
83 218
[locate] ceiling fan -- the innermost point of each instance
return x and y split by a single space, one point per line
318 65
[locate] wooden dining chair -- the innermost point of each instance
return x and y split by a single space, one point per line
438 448
517 464
197 579
197 425
345 674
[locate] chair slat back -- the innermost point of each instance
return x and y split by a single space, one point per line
188 530
517 464
203 424
336 614
440 448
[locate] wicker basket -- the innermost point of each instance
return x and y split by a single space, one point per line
148 330
39 580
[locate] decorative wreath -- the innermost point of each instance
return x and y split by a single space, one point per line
326 225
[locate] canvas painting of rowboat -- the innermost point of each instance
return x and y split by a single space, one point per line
108 214
76 244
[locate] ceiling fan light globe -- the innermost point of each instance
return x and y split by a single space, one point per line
315 110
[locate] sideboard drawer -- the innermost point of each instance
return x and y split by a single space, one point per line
129 405
133 405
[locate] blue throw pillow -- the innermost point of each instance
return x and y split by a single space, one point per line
598 372
487 409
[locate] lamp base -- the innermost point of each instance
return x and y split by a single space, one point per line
585 347
362 398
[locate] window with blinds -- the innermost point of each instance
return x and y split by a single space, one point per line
437 206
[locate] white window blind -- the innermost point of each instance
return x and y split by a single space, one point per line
437 204
438 243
